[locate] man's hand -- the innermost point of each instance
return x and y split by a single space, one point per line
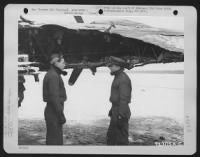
62 119
119 117
121 120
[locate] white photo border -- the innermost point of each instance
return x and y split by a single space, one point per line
12 13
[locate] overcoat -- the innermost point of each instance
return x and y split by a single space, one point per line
54 94
120 111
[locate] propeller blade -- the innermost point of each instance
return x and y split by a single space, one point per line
74 76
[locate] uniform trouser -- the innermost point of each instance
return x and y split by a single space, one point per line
118 131
54 133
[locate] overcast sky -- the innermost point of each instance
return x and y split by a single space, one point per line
172 23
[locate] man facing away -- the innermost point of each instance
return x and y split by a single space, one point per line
54 95
120 98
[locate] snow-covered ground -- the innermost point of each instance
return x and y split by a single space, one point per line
154 94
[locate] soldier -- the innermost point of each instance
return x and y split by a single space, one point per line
21 89
54 95
120 98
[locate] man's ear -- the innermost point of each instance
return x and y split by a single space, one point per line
118 67
55 64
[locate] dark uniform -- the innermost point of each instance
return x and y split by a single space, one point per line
120 112
54 94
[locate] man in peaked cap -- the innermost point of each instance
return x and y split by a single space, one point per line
54 95
120 98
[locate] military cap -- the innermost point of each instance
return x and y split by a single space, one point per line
117 61
55 57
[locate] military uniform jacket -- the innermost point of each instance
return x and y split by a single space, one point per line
121 94
53 90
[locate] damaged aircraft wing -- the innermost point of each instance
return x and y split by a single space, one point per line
90 45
